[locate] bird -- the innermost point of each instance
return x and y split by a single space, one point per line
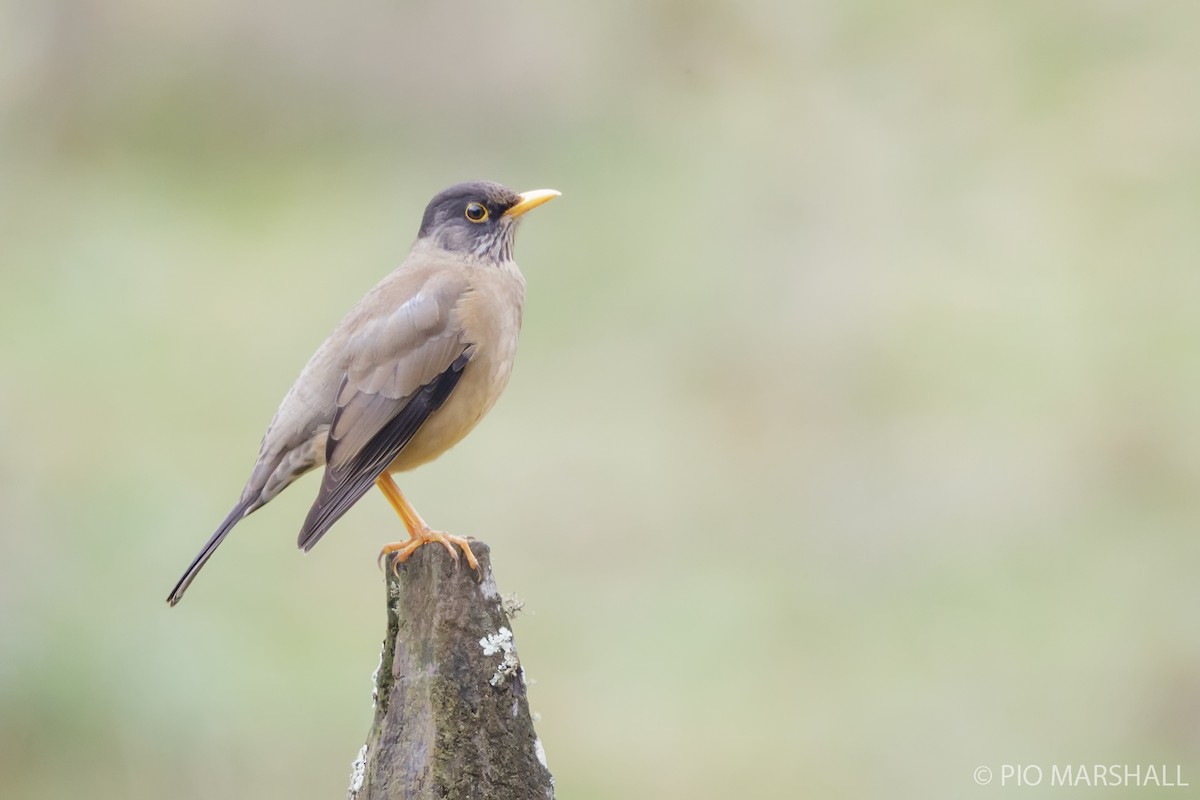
413 367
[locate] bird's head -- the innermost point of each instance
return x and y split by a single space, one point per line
478 219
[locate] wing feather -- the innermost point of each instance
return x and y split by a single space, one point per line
348 481
404 367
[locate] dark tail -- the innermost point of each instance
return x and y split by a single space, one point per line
240 510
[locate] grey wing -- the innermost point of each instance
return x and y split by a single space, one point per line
405 366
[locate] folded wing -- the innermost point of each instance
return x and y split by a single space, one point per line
404 367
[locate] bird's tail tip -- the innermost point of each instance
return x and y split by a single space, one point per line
240 510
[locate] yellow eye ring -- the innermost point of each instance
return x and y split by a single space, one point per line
476 212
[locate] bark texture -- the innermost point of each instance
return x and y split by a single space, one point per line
451 717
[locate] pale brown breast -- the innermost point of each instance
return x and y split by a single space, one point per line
490 318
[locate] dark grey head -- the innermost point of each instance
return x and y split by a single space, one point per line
479 218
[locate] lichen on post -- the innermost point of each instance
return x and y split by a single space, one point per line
451 716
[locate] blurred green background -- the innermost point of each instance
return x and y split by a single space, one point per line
853 442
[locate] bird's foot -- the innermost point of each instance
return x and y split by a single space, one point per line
403 550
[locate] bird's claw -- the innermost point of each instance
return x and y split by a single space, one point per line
403 550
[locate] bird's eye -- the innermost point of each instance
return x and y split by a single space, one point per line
477 212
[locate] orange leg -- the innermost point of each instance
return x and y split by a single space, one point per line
418 532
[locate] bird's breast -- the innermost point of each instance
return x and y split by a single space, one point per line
489 316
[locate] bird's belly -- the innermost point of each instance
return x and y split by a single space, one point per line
482 381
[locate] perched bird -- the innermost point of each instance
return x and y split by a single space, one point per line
405 376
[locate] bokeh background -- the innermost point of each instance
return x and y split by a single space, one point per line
853 442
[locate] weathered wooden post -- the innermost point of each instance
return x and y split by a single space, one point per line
451 717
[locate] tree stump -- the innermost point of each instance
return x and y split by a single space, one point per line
451 717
